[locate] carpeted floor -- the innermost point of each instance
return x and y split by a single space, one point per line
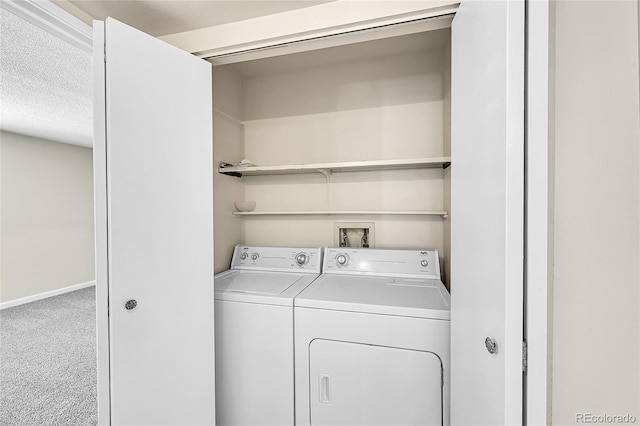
48 361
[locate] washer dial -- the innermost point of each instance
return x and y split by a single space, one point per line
424 263
301 259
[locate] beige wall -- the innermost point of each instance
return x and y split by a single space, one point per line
446 243
227 147
47 216
362 110
392 107
596 198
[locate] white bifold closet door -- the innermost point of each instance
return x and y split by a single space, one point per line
487 212
154 230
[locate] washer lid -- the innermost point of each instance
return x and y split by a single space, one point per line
254 282
411 297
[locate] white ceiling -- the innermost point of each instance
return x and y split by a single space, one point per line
162 17
45 84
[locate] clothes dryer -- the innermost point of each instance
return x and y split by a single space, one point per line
372 337
254 333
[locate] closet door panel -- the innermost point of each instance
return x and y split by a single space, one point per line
158 249
487 216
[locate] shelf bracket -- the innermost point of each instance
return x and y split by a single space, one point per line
221 170
325 172
234 174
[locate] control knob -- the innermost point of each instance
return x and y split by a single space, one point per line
255 256
341 259
243 255
424 263
301 259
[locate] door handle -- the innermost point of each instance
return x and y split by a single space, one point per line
491 345
130 304
323 391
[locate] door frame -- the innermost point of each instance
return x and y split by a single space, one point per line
538 206
101 230
538 227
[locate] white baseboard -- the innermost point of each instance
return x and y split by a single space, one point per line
46 294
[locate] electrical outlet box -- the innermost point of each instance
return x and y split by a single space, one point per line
353 234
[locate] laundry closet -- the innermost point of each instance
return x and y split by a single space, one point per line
352 135
396 119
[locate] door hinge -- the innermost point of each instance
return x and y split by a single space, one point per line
524 356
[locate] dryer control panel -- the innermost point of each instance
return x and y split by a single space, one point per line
283 259
380 262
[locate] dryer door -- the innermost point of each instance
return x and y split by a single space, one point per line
358 384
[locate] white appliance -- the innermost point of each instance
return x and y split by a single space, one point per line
372 340
254 333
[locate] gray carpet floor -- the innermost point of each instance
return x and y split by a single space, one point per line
48 361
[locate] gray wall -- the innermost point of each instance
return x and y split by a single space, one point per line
46 223
596 198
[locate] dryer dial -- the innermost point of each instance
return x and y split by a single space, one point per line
342 259
243 255
255 256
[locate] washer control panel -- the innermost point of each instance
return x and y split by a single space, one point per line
285 259
410 263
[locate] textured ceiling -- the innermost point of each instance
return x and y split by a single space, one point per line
161 17
45 84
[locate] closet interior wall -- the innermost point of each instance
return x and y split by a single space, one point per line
228 146
377 100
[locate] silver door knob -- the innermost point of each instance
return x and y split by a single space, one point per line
131 304
491 344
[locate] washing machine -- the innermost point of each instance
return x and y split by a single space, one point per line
372 340
254 333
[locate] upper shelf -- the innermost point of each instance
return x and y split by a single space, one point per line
328 168
443 214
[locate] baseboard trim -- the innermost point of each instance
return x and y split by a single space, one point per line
45 295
